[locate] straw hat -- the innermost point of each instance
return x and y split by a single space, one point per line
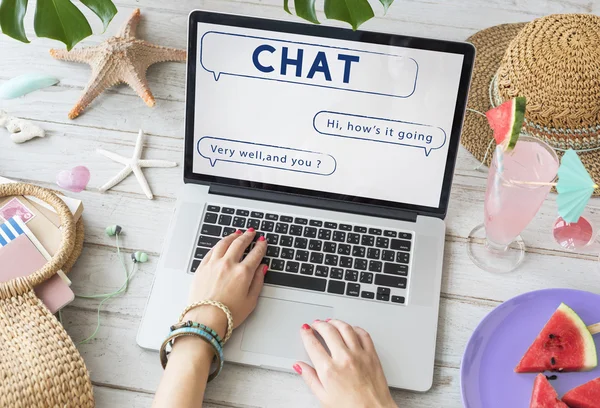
554 62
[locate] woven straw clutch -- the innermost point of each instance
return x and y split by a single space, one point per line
39 364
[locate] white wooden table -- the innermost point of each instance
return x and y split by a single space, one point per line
123 374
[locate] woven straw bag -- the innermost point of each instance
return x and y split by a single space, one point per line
39 364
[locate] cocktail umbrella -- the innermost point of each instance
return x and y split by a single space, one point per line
575 187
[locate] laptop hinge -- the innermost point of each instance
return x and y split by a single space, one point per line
314 202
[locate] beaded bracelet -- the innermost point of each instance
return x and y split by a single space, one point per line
221 306
192 331
204 327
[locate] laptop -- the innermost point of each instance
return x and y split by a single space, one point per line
339 147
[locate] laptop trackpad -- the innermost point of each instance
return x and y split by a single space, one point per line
274 327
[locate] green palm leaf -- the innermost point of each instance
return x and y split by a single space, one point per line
61 20
304 9
353 12
104 9
57 19
12 13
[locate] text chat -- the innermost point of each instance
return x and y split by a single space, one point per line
308 64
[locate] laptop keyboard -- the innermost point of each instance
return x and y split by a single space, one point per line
349 260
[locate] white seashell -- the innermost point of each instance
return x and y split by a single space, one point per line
20 130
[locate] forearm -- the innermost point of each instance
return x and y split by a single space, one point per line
186 374
184 380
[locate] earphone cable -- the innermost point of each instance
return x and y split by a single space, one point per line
125 285
107 296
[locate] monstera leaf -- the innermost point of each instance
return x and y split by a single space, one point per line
56 19
353 12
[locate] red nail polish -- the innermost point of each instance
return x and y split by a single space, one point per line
238 232
305 326
297 368
261 238
265 269
316 320
327 320
250 229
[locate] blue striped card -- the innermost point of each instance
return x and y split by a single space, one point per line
14 227
11 229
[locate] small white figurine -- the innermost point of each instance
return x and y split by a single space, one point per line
20 130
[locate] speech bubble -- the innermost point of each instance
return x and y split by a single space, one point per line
380 130
308 64
216 149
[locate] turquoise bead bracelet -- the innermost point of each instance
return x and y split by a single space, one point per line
202 333
190 323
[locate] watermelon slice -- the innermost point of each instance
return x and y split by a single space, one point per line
565 344
544 395
506 121
584 396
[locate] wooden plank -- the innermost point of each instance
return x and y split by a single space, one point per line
143 221
53 104
237 385
114 359
120 398
543 267
445 392
132 211
167 80
67 146
395 12
168 27
468 295
99 271
529 6
46 158
456 14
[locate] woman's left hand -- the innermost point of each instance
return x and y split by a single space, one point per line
224 277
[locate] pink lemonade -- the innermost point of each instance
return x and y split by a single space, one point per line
511 203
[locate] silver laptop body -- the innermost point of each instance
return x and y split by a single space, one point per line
404 246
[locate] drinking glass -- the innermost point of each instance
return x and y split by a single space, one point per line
518 183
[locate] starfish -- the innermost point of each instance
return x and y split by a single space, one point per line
133 165
120 59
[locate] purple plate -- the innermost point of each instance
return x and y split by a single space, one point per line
487 376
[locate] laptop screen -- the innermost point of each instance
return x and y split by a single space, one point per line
329 115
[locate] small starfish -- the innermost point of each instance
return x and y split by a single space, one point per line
135 165
120 59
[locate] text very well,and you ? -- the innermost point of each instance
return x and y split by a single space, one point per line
218 149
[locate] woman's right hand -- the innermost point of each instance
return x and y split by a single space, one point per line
352 375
